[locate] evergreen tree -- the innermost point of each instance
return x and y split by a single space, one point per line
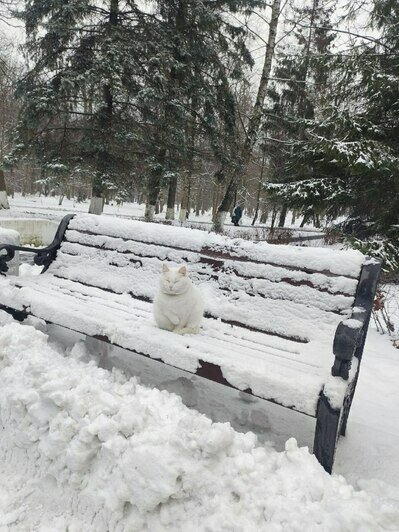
353 148
113 86
195 56
76 96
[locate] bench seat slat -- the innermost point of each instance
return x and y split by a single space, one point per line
269 371
347 263
301 293
295 319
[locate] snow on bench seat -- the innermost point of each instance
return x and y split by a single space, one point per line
271 311
269 365
316 259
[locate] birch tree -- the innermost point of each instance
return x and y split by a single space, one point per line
239 165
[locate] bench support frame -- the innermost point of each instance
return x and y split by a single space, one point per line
348 343
43 256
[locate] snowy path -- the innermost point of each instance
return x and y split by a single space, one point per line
47 207
371 448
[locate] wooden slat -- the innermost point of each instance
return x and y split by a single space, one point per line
209 255
247 347
222 335
236 256
305 291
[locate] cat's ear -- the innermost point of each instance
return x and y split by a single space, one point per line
183 270
165 267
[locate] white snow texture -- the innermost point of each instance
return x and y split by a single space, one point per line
86 450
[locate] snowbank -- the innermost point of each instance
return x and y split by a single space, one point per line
84 449
9 236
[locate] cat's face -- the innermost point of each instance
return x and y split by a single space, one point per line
174 280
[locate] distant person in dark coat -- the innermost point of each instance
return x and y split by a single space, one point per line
237 213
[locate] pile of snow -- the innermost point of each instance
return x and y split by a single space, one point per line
9 236
85 449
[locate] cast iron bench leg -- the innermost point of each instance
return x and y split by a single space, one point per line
326 434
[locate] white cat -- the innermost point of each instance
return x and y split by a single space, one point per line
178 306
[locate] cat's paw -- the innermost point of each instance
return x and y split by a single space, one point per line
187 330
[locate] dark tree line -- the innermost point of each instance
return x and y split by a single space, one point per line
118 92
341 151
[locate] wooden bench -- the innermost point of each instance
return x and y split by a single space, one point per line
277 317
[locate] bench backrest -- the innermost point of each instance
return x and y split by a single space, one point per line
291 292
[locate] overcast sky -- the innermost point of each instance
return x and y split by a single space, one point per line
13 29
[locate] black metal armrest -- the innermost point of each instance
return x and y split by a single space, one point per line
43 256
351 333
347 338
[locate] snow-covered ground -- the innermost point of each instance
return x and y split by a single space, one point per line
47 207
84 449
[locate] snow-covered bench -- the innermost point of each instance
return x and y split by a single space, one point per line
277 317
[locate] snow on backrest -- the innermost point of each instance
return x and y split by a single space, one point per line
259 285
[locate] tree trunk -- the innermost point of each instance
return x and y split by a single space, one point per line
3 193
96 205
259 188
254 122
187 176
224 207
274 216
97 201
149 212
283 215
170 208
215 200
105 126
198 201
185 199
264 216
161 203
305 220
257 204
154 186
